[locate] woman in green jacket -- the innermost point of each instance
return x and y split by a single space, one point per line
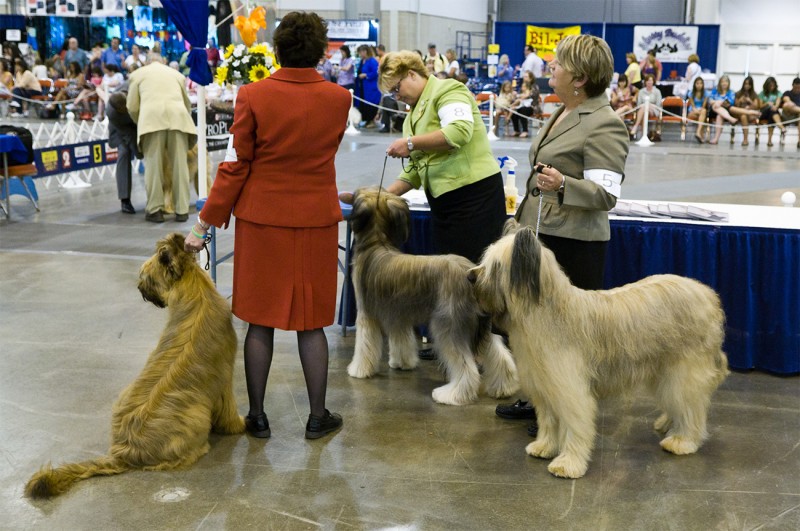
445 140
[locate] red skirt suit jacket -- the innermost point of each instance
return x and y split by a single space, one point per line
279 180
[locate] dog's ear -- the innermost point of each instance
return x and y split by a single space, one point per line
172 255
399 219
361 216
526 264
510 226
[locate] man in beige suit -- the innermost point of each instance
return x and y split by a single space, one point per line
159 104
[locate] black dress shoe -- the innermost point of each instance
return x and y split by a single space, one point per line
258 426
426 354
127 207
317 427
518 410
181 217
155 217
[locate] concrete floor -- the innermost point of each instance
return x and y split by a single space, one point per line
75 331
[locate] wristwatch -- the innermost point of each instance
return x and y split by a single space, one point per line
563 182
410 144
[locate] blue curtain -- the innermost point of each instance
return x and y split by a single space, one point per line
191 19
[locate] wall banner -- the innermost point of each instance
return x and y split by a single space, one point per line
72 8
673 44
546 39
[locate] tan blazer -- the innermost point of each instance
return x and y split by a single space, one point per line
158 101
592 137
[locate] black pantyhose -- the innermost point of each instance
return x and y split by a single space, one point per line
257 361
313 346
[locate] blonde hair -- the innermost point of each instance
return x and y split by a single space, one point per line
504 59
396 65
587 57
632 57
694 58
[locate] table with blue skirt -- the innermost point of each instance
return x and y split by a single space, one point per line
14 153
752 261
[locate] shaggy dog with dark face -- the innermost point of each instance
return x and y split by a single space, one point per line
162 420
573 346
395 291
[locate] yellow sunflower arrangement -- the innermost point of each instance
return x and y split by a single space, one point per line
241 65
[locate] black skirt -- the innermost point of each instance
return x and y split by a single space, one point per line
467 220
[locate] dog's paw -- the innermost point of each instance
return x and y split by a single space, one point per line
504 390
450 395
567 466
403 365
541 448
679 445
663 423
359 370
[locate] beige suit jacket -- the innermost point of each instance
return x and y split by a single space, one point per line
592 137
158 101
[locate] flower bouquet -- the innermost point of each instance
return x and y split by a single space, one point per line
242 64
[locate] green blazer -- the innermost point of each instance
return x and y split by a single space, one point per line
589 147
448 105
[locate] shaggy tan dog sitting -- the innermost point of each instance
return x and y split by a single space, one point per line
572 346
162 420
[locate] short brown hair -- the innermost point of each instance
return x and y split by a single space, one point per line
396 65
587 57
694 58
300 40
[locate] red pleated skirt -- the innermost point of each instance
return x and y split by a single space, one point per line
285 277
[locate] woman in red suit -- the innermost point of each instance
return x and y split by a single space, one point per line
279 179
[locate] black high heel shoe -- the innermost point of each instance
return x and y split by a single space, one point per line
258 426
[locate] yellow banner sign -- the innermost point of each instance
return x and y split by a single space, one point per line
546 39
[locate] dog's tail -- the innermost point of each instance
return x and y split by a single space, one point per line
49 482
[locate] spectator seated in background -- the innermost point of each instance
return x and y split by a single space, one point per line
503 102
720 101
696 103
26 86
75 83
623 97
89 89
791 105
653 95
453 68
526 104
770 98
112 79
746 106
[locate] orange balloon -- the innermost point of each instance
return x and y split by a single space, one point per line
248 27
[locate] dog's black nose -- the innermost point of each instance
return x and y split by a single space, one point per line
472 277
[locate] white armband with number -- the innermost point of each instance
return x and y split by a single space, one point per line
230 153
610 181
455 111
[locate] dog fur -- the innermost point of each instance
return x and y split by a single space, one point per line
573 346
395 291
162 420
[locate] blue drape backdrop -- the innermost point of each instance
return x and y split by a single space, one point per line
191 19
511 38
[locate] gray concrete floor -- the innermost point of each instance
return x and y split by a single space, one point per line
75 331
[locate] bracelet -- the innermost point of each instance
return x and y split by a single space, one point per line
203 224
201 236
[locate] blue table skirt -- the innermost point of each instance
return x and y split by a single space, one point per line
755 271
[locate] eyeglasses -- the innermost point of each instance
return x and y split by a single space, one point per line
395 89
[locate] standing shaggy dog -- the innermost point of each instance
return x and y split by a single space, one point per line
573 346
162 420
395 291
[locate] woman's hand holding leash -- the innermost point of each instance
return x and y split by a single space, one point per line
549 179
398 149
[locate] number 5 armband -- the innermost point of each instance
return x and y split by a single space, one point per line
609 180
